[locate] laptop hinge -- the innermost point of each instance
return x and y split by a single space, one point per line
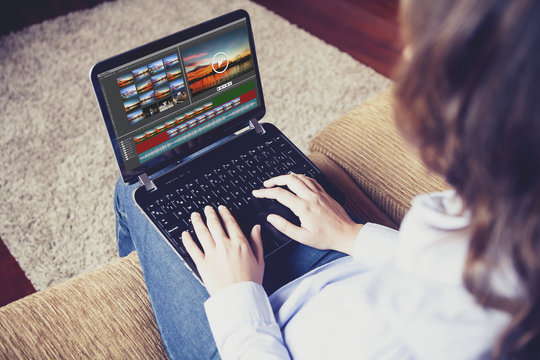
148 184
254 124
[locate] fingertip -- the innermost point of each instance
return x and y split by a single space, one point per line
256 229
186 238
256 240
224 211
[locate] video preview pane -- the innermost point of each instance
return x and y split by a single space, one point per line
218 60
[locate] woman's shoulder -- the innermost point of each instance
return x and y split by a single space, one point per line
434 237
440 210
421 294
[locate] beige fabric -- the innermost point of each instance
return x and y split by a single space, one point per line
355 199
100 315
365 143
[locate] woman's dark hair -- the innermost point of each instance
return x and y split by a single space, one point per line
468 97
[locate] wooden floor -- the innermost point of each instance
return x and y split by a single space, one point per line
366 29
18 14
13 282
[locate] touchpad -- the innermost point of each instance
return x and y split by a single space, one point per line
265 207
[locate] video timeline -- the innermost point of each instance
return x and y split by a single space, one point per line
211 112
188 120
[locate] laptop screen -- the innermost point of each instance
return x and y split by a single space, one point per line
167 99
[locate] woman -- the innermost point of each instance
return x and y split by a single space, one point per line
467 98
459 280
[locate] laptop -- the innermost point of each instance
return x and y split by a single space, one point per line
183 114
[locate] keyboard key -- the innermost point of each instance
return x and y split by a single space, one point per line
156 212
167 221
167 208
239 203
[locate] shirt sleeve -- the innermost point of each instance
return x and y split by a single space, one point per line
243 324
375 244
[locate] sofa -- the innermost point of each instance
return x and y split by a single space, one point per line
106 313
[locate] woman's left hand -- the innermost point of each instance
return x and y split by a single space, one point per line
228 256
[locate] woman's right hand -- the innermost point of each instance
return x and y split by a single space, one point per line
324 224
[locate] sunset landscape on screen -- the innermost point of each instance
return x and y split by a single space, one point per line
198 60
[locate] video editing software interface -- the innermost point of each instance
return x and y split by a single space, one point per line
172 96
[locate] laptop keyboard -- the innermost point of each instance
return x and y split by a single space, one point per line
231 184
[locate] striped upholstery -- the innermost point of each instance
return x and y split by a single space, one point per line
365 143
355 199
103 314
106 313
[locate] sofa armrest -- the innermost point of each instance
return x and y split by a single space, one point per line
366 145
356 201
103 314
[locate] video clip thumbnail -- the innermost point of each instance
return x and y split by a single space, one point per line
140 73
124 80
135 116
144 86
170 60
147 98
156 66
162 92
128 92
159 79
174 73
132 104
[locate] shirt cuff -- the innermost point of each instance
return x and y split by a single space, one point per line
375 244
235 305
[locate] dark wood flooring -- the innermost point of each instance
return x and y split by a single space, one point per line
13 282
365 29
18 14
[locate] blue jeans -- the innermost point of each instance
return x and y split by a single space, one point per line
177 298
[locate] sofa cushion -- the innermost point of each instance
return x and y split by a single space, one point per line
102 314
356 201
366 144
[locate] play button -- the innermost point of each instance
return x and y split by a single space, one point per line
218 61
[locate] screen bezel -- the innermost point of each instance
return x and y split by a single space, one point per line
169 158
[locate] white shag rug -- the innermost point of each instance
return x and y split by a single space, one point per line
58 176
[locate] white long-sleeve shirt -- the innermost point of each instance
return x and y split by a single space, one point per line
400 296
